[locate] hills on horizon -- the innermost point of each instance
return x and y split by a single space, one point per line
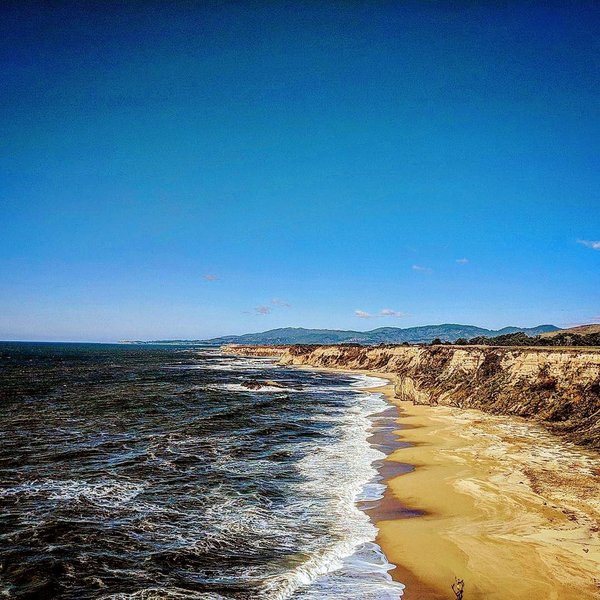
589 329
447 332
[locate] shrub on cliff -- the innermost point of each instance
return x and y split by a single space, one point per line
522 339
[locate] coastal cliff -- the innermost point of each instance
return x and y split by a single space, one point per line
559 387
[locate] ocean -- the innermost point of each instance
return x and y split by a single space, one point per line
150 472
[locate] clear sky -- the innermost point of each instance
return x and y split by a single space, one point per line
201 169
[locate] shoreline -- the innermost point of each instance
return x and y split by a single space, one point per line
390 507
509 508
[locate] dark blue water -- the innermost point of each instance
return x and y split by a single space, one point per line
151 472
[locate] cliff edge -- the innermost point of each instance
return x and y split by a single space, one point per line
559 387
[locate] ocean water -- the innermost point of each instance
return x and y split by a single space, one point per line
151 472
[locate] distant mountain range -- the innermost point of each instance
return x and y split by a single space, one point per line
385 335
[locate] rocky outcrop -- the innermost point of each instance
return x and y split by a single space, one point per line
255 351
256 384
560 387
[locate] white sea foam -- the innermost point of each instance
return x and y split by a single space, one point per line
238 387
368 381
354 566
228 364
108 493
324 389
155 593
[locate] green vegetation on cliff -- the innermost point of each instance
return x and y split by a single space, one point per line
521 339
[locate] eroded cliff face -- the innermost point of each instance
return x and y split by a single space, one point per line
558 387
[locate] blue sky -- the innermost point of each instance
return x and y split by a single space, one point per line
190 171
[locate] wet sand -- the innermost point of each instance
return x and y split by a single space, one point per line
496 501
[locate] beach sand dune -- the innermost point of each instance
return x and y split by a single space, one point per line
509 508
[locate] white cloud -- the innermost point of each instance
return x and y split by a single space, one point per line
388 312
462 261
384 312
210 277
265 309
280 302
594 245
421 269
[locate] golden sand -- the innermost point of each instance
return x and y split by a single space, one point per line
509 508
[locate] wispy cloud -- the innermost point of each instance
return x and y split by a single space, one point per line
384 312
388 312
594 245
267 309
421 269
281 303
210 277
462 261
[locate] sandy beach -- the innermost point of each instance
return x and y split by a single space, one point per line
496 501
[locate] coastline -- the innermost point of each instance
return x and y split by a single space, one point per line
501 503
